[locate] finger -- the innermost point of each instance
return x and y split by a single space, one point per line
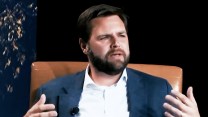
190 95
175 102
167 114
185 100
45 114
42 99
35 107
171 110
45 107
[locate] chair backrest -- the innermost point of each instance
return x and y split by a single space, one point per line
41 72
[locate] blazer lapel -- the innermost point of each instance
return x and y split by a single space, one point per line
71 98
67 103
137 98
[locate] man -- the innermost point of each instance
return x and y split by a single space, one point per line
107 88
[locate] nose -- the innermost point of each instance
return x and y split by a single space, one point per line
115 44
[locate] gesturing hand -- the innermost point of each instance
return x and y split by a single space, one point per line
182 106
40 109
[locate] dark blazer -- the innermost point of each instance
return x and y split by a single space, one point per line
145 93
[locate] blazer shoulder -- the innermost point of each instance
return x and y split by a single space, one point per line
139 75
66 79
153 82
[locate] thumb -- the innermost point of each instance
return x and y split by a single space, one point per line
42 99
190 94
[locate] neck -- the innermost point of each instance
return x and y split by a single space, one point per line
103 79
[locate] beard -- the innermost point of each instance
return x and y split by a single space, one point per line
110 68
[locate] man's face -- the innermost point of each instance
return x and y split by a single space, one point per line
108 45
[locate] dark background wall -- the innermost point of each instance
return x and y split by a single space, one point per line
169 33
17 52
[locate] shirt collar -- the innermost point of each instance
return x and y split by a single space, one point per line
88 80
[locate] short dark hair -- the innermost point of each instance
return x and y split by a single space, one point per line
84 21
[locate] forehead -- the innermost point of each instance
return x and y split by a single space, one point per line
107 24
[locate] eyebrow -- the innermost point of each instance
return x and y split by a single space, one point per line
109 34
123 32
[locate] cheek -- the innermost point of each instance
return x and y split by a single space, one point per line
99 50
126 47
127 50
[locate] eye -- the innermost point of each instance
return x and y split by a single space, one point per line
103 37
123 35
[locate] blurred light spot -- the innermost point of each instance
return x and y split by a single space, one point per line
10 88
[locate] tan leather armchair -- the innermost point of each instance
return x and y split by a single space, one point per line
42 72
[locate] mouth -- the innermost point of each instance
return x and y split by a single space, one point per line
117 54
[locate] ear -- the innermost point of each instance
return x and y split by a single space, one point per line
83 46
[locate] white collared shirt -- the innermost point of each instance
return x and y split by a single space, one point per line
103 101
